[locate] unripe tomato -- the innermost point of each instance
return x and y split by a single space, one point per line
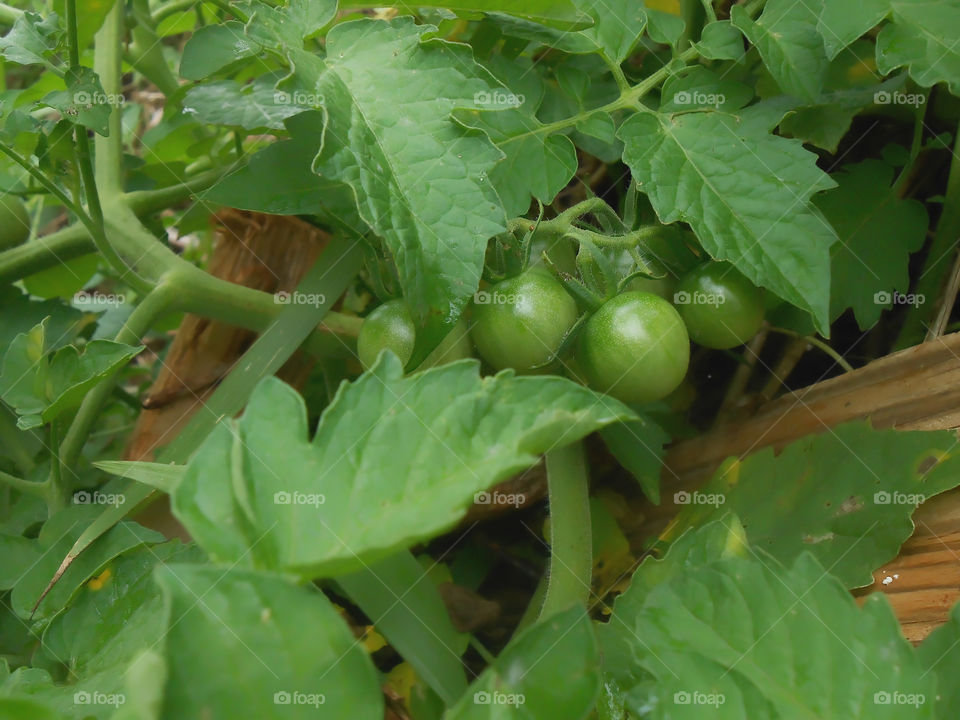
635 347
721 308
389 327
519 323
14 222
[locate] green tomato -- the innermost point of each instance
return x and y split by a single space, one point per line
721 308
519 323
389 327
635 347
14 222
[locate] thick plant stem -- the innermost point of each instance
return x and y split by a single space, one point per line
571 552
21 485
106 62
939 260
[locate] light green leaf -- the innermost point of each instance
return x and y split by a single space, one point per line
845 496
535 163
19 554
694 549
24 709
395 460
84 101
748 638
638 445
822 125
878 232
618 26
41 385
288 26
32 40
285 645
54 541
792 50
746 194
560 14
421 181
720 40
21 313
551 670
252 106
213 47
843 21
703 89
419 628
939 654
162 476
923 35
664 27
279 180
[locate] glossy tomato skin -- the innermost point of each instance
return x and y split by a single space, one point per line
635 347
389 326
721 308
519 323
14 222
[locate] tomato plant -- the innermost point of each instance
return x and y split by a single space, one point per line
381 360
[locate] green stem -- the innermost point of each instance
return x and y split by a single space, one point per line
109 42
172 8
9 15
817 343
155 304
939 259
74 240
56 488
571 554
24 486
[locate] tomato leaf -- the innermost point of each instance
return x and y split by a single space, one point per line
421 182
287 645
551 669
738 637
746 194
878 232
845 496
924 36
262 494
40 385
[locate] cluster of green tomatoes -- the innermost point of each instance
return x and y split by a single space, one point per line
635 346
